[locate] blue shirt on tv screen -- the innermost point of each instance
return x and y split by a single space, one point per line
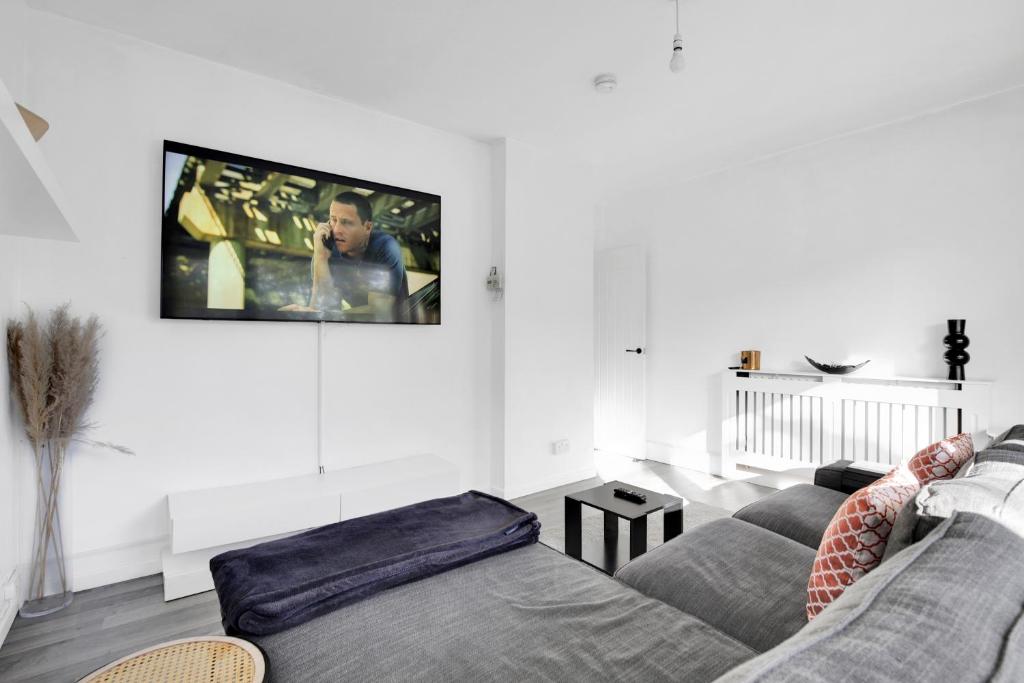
379 269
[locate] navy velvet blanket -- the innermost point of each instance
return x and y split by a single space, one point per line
274 586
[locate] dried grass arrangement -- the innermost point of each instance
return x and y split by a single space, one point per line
54 370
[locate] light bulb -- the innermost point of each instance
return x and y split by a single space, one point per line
678 61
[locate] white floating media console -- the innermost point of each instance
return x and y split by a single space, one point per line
207 522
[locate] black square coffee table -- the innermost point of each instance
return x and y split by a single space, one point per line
613 552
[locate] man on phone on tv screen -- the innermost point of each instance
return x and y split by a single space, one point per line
357 271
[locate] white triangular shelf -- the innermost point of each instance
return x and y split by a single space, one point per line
31 201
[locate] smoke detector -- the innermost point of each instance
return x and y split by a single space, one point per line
605 83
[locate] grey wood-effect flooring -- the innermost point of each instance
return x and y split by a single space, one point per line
103 624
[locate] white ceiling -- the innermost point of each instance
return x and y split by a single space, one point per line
762 75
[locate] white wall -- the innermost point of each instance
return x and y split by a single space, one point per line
499 403
858 248
13 20
211 403
548 232
11 453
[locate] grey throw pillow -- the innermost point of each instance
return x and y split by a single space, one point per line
965 468
1012 439
992 488
909 528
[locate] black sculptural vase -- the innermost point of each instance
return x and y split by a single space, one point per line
956 348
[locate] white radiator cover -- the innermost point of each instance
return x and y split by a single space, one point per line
781 421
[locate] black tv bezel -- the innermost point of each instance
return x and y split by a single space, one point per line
289 317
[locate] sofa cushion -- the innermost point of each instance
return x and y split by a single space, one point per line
528 614
943 459
947 609
1000 454
740 578
994 487
855 540
1012 439
909 528
801 512
1008 447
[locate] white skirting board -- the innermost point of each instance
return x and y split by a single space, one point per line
189 573
114 564
8 605
207 522
701 461
546 483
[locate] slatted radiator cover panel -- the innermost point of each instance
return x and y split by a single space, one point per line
779 425
889 432
789 420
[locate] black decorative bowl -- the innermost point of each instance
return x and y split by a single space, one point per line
832 369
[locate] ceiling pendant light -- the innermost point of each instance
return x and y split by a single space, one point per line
677 62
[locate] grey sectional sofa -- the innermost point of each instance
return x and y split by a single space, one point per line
722 602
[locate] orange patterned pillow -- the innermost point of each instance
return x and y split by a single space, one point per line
855 539
941 460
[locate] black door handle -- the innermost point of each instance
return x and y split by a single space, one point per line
636 350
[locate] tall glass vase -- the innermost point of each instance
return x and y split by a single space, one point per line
49 588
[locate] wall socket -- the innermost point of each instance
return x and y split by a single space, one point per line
560 447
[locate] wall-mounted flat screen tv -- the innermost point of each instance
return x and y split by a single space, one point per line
247 239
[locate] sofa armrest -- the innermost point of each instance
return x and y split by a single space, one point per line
844 476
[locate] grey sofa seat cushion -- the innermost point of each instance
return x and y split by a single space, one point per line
947 609
744 580
530 614
801 512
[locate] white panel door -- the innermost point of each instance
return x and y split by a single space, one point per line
620 291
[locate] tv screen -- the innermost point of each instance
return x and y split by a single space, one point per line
247 239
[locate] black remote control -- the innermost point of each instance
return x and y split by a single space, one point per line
630 495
